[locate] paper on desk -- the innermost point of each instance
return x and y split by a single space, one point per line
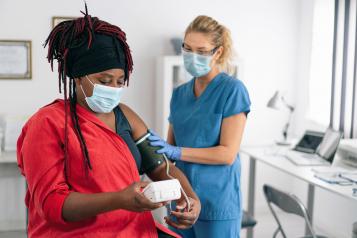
349 176
333 178
331 169
335 175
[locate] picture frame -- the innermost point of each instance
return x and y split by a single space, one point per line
58 19
15 59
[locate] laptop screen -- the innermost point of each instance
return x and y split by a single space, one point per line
329 144
309 142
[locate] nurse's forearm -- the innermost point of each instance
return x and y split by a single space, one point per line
213 155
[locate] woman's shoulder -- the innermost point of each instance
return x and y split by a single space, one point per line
127 111
52 113
136 123
52 109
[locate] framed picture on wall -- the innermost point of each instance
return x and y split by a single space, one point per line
58 19
15 59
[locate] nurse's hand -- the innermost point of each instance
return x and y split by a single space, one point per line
184 219
172 152
132 199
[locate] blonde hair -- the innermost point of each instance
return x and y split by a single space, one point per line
219 36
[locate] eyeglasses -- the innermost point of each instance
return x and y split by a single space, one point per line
200 52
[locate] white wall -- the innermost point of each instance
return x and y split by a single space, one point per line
265 33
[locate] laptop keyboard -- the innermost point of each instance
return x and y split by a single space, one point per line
305 159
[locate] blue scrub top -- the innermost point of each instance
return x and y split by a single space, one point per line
197 124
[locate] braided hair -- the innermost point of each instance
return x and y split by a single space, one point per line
64 38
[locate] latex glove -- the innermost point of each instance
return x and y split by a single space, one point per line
172 152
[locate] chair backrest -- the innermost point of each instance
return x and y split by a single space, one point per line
288 203
354 230
248 221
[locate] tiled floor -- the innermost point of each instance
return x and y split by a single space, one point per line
294 227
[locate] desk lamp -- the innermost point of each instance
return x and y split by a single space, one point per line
278 102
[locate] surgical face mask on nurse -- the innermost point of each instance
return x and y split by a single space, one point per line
197 65
104 98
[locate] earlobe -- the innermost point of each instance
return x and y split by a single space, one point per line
218 54
220 51
76 80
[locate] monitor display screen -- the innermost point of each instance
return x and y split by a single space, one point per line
309 142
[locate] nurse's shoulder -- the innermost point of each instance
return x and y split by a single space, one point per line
236 99
233 85
182 90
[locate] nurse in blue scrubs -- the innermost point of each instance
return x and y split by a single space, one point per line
207 118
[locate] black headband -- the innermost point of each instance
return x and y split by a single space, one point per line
105 53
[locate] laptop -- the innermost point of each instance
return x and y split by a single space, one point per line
322 156
309 141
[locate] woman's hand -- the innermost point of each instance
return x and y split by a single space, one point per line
172 152
185 219
133 199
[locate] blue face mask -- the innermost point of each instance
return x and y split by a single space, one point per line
104 98
197 65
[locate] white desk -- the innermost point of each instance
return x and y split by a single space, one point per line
270 155
13 186
8 157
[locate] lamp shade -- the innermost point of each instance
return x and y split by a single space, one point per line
276 102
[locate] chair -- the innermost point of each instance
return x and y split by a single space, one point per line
354 230
248 221
288 203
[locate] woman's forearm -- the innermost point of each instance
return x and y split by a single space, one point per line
160 174
80 206
176 173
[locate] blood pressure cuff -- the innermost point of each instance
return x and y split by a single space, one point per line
144 154
150 160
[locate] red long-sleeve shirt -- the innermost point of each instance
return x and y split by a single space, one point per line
40 155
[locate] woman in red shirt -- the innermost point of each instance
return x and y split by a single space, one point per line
78 154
